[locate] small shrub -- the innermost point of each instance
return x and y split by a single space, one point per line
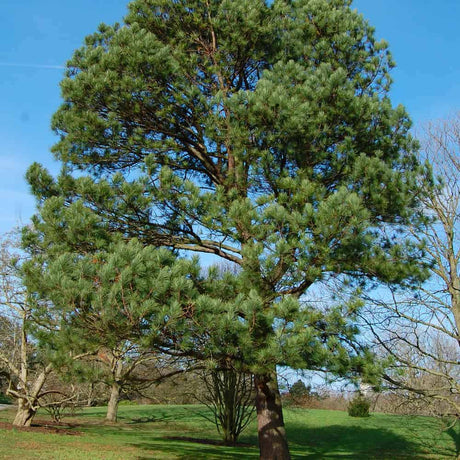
299 389
359 407
127 402
56 411
59 405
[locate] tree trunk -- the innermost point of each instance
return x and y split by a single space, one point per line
24 414
89 403
112 407
270 424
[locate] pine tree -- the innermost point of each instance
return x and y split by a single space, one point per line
121 306
261 133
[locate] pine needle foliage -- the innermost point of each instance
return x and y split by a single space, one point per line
259 132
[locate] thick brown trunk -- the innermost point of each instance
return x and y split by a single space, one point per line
270 424
24 414
112 407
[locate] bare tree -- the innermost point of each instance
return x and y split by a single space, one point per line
128 367
26 374
420 328
25 367
230 396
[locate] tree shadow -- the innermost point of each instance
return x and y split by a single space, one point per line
397 439
336 441
330 442
211 442
454 433
188 448
136 421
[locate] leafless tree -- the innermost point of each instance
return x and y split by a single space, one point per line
26 373
230 396
25 368
420 329
128 367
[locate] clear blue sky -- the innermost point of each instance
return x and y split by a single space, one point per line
38 36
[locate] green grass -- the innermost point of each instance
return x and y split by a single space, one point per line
179 432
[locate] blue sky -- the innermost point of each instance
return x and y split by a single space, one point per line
37 37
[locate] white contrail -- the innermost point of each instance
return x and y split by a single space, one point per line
35 66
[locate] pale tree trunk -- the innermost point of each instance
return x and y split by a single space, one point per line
28 406
112 407
24 414
454 291
270 424
90 395
117 372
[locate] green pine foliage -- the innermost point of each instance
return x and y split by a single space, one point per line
128 293
261 133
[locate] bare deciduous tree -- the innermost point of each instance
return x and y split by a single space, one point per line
230 397
129 367
26 373
421 329
26 368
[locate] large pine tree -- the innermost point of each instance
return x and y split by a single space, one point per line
260 132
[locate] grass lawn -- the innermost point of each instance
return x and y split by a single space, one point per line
179 432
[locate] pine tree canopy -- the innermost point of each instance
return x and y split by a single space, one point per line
259 132
126 293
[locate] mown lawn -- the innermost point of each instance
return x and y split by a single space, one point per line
180 432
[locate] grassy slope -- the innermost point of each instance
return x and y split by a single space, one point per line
155 432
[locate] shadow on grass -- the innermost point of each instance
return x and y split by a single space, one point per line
430 434
135 414
136 421
454 433
326 442
211 442
171 414
336 441
157 430
196 448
